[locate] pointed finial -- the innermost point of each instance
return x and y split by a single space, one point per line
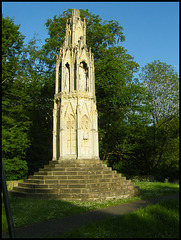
75 12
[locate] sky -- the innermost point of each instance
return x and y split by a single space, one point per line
151 28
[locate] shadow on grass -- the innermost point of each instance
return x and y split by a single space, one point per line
26 211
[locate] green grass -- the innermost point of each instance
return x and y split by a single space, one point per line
153 189
28 211
154 221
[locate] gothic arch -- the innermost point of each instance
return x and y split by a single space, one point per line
69 110
70 125
85 109
85 134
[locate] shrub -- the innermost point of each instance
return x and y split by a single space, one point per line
15 168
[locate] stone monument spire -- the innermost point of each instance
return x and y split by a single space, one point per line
75 127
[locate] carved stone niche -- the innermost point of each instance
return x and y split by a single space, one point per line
83 76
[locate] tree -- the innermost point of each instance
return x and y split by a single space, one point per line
39 86
136 133
15 122
161 82
114 69
114 87
12 42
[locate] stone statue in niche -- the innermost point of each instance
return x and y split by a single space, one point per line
67 78
82 77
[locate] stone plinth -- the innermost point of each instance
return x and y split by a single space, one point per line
83 180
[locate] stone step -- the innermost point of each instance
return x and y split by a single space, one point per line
79 181
74 163
35 185
35 190
109 195
38 181
95 189
77 169
77 196
33 195
67 172
43 177
71 176
49 180
72 188
76 180
97 176
68 185
92 185
95 195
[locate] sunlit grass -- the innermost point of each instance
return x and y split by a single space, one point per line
154 221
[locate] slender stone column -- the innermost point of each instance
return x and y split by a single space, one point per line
55 131
78 131
61 134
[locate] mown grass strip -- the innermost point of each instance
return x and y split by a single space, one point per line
154 221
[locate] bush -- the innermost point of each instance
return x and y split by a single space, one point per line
15 168
126 168
166 172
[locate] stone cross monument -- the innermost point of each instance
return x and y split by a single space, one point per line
75 126
75 172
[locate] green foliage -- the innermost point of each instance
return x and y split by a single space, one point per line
138 120
12 42
161 82
15 168
162 85
40 88
114 87
15 121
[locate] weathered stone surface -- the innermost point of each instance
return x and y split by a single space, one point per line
75 130
80 182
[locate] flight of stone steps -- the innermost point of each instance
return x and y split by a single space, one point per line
83 180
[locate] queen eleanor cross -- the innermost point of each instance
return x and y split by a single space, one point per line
75 125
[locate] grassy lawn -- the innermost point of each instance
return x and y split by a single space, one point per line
29 211
154 221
